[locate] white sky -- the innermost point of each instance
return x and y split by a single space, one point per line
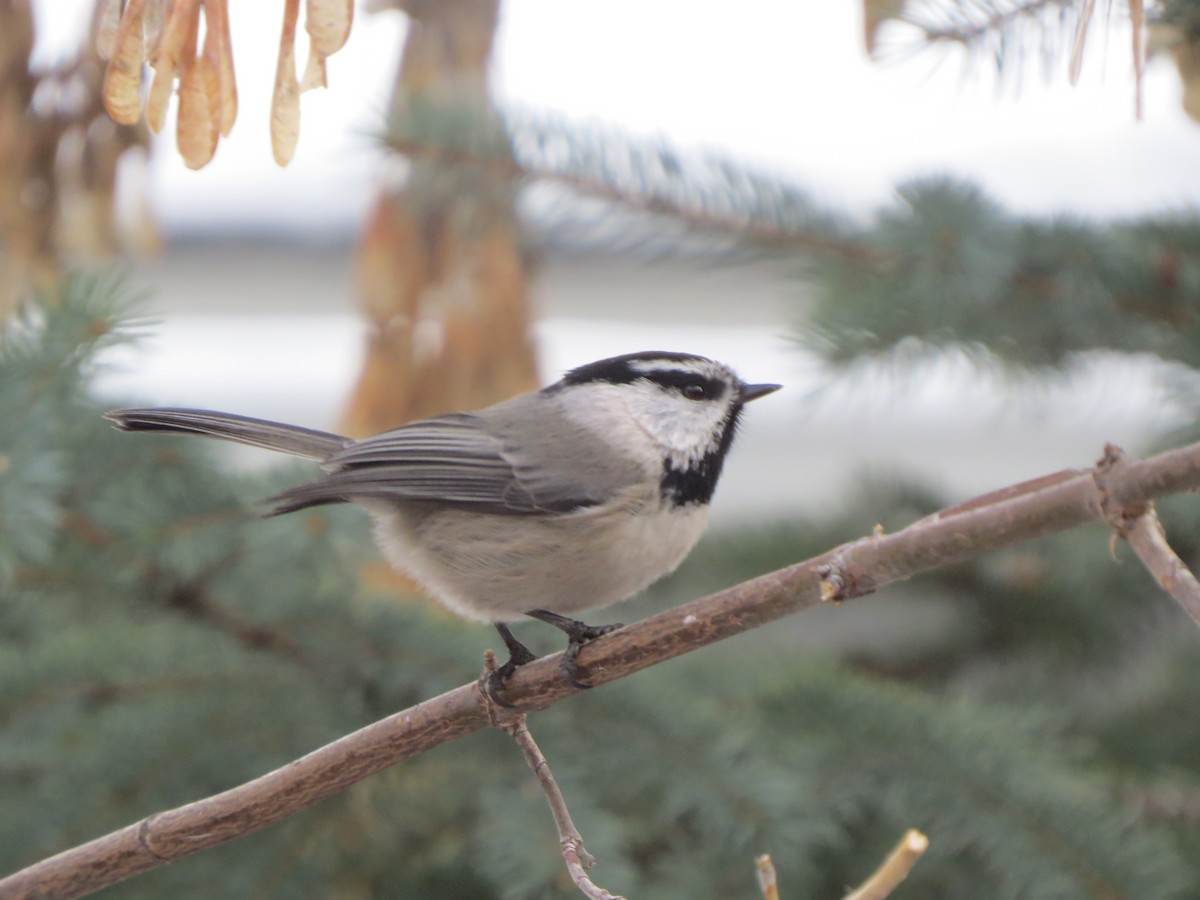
782 85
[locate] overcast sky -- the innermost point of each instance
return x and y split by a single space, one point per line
782 85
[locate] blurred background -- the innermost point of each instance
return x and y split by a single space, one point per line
799 99
961 232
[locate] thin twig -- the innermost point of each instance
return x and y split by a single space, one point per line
767 883
574 854
1139 524
1149 542
1017 513
895 868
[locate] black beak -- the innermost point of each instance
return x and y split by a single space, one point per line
754 391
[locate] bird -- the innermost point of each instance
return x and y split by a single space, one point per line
574 497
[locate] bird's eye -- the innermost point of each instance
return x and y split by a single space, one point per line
694 391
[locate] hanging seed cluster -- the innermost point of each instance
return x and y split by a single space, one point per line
166 34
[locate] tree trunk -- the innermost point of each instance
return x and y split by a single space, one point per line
442 275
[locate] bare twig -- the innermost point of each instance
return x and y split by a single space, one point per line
767 883
895 868
574 854
1017 513
1149 542
1139 524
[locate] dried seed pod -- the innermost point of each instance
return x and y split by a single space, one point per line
108 23
219 49
181 25
156 15
123 76
187 50
285 103
314 72
196 128
328 24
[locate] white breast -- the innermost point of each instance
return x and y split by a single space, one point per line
497 568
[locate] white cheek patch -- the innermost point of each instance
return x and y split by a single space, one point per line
687 430
642 419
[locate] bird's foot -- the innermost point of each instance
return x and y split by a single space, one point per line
578 633
518 655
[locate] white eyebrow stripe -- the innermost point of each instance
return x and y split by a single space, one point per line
698 366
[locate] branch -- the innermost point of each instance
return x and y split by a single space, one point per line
895 868
574 854
1002 31
1140 526
711 194
1018 513
1149 542
968 23
764 870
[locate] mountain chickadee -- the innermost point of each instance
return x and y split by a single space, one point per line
575 496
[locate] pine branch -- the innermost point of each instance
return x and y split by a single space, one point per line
1014 514
1004 29
970 22
710 194
1001 30
953 267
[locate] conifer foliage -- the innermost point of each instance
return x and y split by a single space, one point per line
948 264
158 643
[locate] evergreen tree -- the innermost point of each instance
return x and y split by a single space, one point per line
159 644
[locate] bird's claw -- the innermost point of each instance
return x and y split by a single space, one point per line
578 633
497 679
576 638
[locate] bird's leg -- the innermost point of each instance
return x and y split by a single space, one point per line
578 634
518 655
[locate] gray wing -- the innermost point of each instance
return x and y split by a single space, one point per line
479 461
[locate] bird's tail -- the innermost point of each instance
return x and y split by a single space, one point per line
306 442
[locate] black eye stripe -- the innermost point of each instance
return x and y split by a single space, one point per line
669 379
